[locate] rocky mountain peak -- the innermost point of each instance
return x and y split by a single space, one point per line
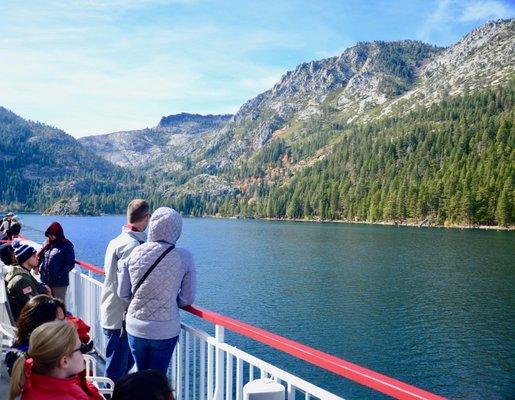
364 75
482 58
178 119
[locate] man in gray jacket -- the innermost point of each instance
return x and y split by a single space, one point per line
118 356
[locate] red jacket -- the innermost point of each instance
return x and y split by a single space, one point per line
82 328
43 387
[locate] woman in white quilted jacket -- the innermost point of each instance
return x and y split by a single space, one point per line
153 321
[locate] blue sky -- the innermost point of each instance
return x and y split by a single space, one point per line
95 66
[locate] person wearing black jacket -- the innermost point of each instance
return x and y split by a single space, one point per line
57 259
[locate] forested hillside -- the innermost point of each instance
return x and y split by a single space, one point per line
397 132
40 165
450 164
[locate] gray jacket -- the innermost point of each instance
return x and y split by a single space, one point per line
154 311
117 253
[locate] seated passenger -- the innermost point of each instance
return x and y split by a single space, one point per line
7 254
39 310
21 285
143 385
53 367
82 328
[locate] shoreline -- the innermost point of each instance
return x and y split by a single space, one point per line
384 223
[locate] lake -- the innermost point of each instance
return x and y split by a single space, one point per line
431 307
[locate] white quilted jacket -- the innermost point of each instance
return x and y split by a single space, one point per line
154 311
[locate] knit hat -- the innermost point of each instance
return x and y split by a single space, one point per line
22 251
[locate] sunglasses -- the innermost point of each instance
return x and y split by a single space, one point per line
84 348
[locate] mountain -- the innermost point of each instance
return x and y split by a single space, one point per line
386 131
396 131
359 79
40 164
479 60
170 142
370 80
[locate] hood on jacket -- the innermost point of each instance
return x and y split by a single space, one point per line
139 236
15 270
165 225
56 230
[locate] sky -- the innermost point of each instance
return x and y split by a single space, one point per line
96 66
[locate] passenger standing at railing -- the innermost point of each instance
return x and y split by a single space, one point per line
118 355
6 224
153 320
13 232
57 259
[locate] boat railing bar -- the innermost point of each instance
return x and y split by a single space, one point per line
366 377
90 267
346 369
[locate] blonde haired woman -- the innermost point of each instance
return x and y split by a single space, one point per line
53 368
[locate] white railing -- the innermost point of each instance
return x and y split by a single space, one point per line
203 366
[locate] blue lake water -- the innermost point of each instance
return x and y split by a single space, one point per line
431 307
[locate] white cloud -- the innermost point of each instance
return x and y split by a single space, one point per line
442 22
478 11
261 84
83 66
435 20
94 77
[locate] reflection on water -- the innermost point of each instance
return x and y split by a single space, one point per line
431 307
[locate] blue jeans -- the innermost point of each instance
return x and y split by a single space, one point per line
118 355
152 354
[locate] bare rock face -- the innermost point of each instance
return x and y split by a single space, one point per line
483 58
174 137
367 81
362 77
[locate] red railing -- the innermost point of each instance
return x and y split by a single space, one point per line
354 372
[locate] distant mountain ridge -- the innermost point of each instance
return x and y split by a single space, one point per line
396 95
178 120
174 138
39 164
368 80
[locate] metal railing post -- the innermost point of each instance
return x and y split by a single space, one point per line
219 364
